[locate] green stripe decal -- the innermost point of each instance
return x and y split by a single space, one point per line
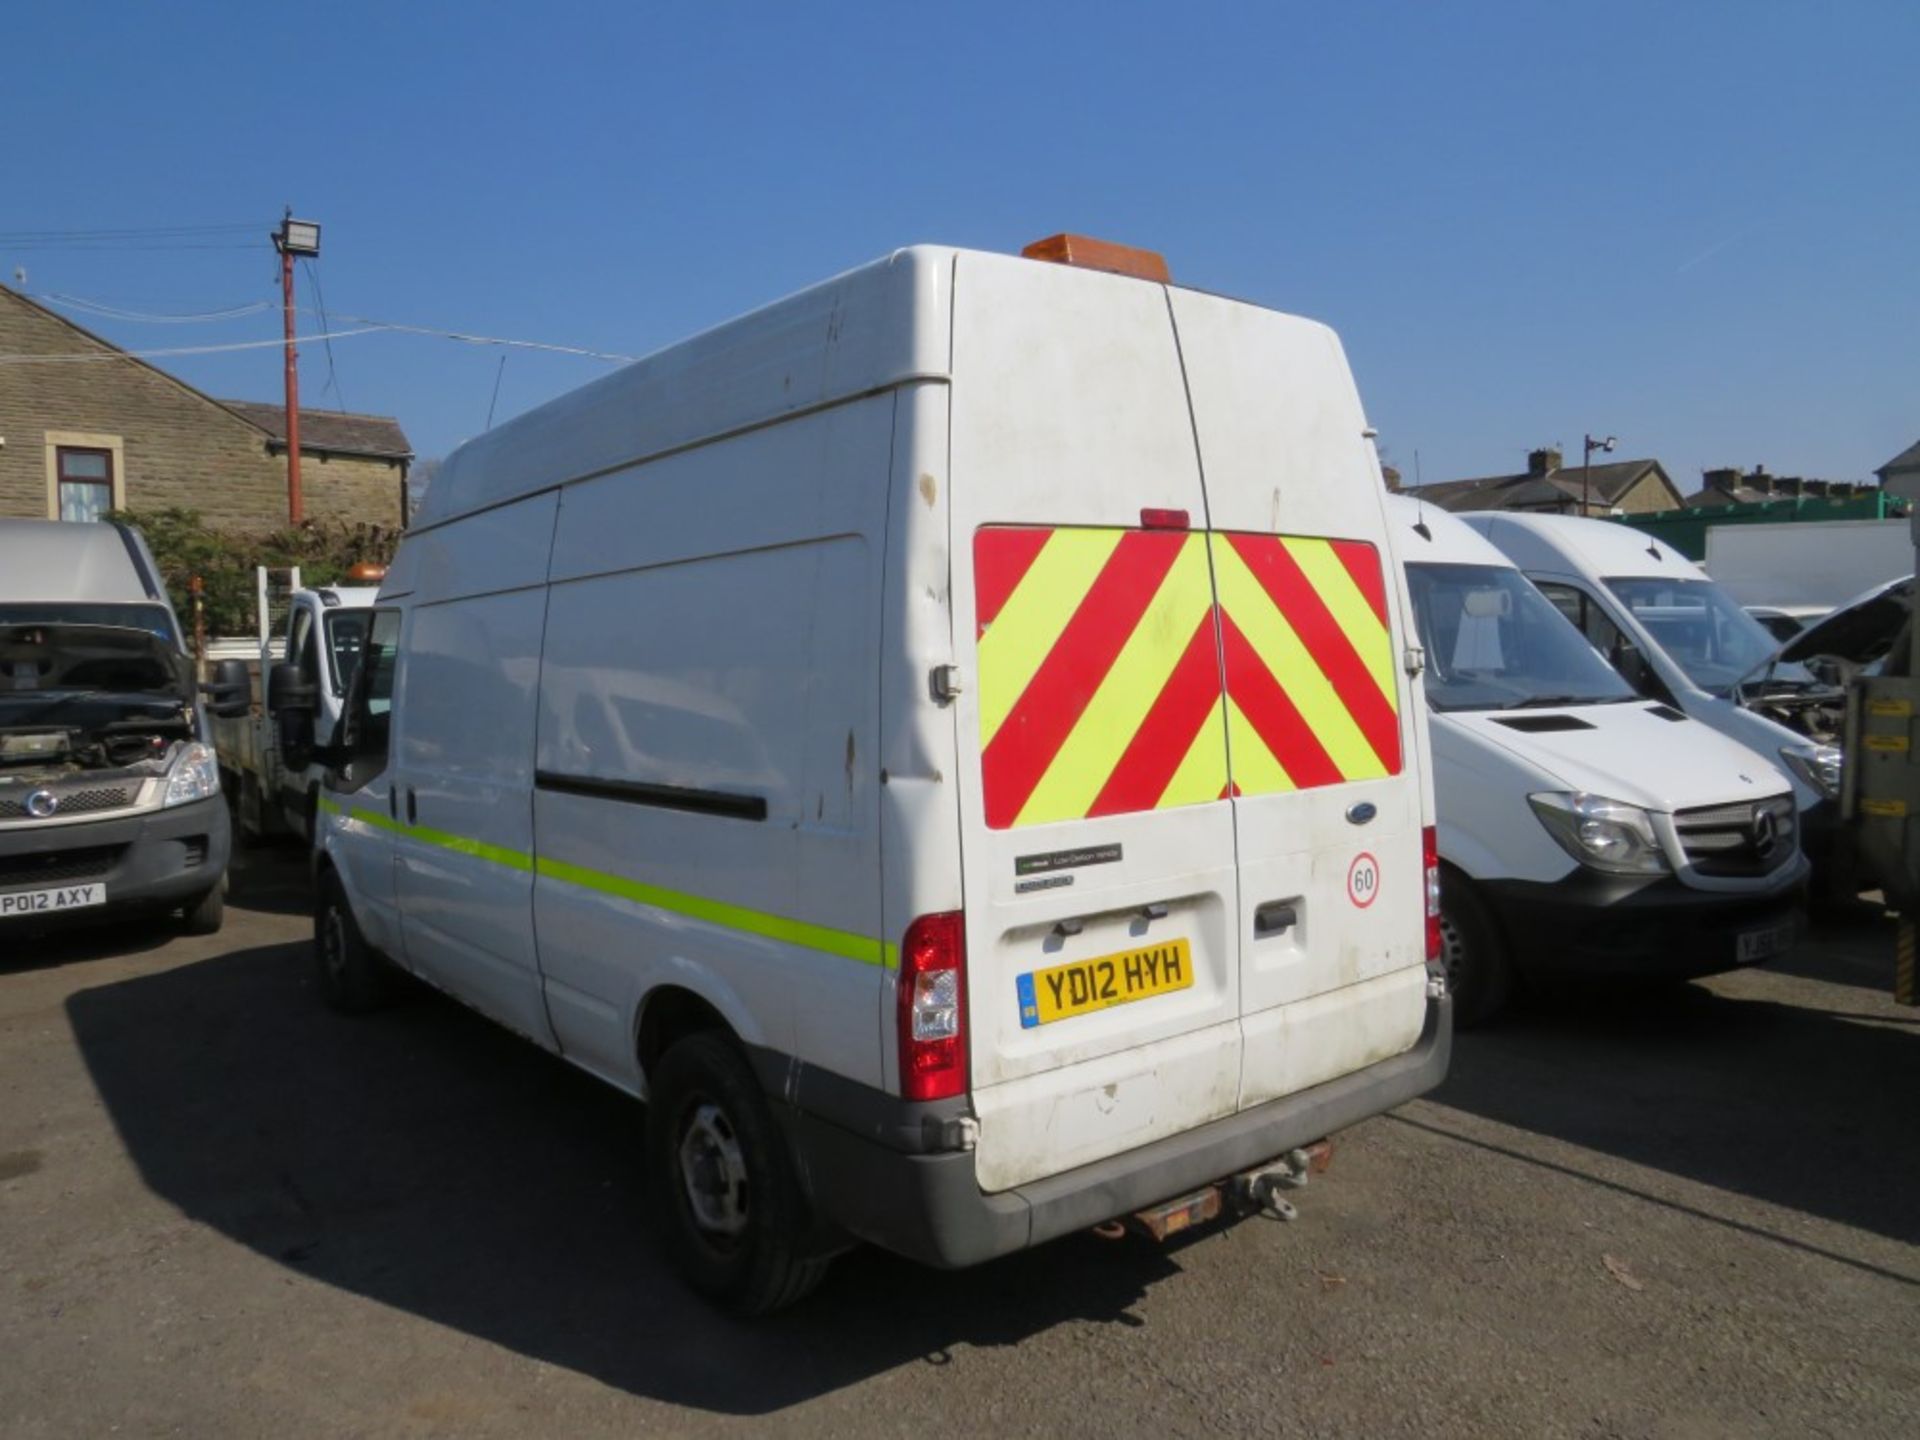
862 948
865 949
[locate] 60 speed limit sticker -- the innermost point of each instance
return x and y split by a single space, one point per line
1363 880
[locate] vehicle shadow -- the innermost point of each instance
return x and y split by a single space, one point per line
1787 1104
428 1160
83 940
270 882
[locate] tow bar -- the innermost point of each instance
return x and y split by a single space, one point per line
1261 1188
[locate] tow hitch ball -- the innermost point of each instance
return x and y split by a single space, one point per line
1263 1188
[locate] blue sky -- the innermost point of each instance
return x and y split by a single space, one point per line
1692 225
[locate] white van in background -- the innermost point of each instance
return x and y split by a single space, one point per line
1584 832
821 729
110 798
1678 638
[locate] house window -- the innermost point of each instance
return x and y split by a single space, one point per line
85 482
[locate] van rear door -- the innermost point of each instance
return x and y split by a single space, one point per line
1321 730
1097 841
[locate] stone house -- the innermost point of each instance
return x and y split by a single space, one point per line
1729 486
1624 487
79 437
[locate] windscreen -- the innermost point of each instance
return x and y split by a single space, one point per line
1711 638
1493 642
151 618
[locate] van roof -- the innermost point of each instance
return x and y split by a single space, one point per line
864 331
1573 543
884 324
1447 541
98 563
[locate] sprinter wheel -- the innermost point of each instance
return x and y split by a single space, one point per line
354 977
1479 971
727 1205
713 1172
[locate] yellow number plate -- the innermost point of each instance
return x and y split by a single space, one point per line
1063 991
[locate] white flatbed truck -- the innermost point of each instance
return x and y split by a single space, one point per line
266 764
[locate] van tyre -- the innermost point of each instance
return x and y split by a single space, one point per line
1478 965
725 1200
355 979
207 914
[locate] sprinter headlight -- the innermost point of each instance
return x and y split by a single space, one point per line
1605 834
1817 765
195 775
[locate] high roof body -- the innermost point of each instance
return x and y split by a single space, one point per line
861 332
1568 543
47 560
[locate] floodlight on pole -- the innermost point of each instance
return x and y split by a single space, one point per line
1586 465
294 237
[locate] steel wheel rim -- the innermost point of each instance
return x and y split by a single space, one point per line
713 1172
333 943
1455 957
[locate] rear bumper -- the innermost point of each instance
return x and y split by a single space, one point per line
1599 927
928 1207
157 860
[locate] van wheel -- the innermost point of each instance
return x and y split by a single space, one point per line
355 979
725 1199
1479 969
206 915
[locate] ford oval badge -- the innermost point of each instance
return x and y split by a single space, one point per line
1361 812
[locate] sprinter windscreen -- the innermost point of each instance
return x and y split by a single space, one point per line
1697 623
1493 642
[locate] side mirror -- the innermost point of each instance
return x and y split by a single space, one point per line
230 692
288 691
292 702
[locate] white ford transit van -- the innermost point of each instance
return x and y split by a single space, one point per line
945 740
1677 637
1584 831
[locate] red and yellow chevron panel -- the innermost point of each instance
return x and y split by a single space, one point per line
1100 663
1311 695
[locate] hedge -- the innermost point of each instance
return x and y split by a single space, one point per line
225 561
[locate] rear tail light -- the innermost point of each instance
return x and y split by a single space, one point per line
933 1008
1430 861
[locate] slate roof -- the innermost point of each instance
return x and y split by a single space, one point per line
1908 459
332 431
1552 491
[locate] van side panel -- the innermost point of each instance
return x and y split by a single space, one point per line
708 752
920 799
1314 616
464 767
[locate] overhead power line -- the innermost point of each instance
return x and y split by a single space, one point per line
129 231
366 325
114 312
101 356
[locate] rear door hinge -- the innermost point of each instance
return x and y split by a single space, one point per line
946 683
1416 660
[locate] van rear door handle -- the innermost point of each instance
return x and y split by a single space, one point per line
393 801
413 811
1274 918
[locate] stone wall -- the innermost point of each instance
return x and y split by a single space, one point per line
173 445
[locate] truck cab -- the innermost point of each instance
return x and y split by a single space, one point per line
1585 831
1679 639
268 757
109 791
